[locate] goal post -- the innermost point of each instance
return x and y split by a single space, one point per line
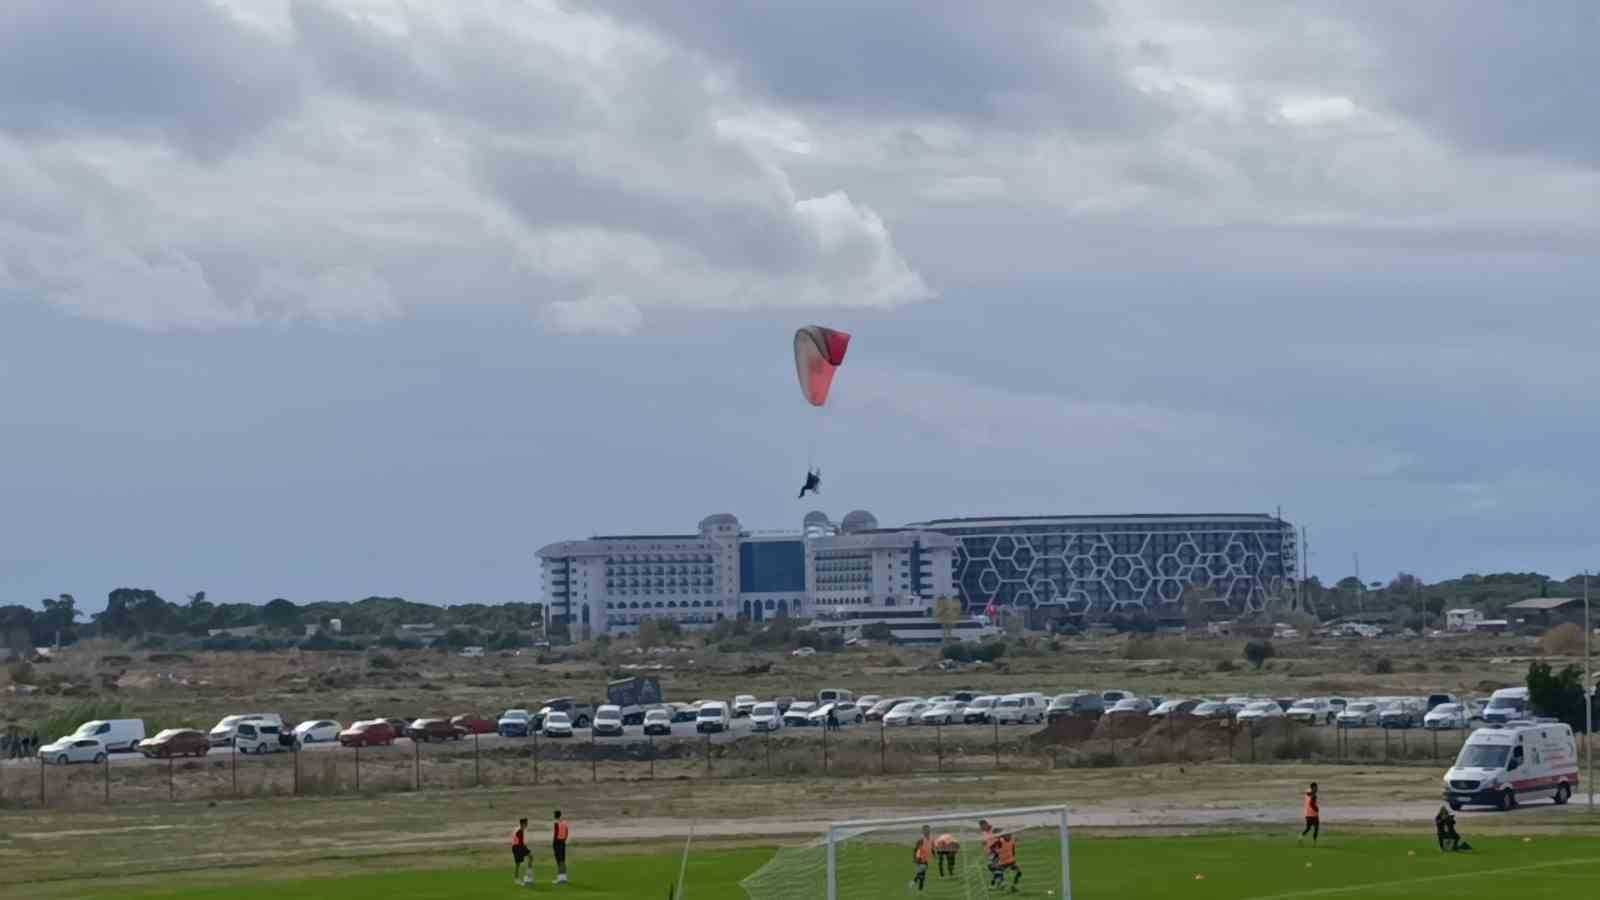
868 858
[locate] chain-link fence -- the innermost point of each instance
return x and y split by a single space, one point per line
870 749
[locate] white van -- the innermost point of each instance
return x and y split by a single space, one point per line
713 716
114 734
833 695
1019 709
1502 765
221 734
258 737
1506 704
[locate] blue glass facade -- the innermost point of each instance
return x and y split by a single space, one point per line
769 567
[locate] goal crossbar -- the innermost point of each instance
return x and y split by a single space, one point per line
845 829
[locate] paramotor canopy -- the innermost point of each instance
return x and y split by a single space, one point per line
818 353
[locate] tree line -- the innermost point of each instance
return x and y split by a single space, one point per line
133 613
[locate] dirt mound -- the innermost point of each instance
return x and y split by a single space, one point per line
1060 732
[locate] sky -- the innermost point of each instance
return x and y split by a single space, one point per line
324 299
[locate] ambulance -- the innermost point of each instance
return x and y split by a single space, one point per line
1504 765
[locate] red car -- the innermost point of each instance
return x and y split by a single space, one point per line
434 730
475 724
372 733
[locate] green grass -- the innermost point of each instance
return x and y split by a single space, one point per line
1235 866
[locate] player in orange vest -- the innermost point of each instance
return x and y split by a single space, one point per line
922 854
1313 814
520 854
558 848
945 846
1003 860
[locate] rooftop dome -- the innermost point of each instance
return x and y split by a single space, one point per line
858 520
713 522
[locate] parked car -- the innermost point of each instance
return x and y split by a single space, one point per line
608 720
684 712
742 705
172 742
1401 713
965 696
1446 717
1338 703
368 733
798 715
658 720
515 723
1019 709
578 713
883 707
868 701
71 749
259 737
907 713
1174 706
221 734
1110 698
977 709
473 724
115 735
1076 705
557 724
713 717
1359 714
399 726
1138 706
1213 709
434 730
1436 699
1313 711
1259 711
948 712
844 712
1475 708
1505 705
833 695
317 731
784 703
803 651
765 717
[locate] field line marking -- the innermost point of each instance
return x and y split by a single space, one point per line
1453 876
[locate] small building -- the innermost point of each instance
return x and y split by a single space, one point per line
1462 619
1546 612
243 631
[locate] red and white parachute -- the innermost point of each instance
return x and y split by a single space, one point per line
818 353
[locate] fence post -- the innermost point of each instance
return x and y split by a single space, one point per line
995 721
107 775
477 763
824 746
536 757
594 771
1435 744
233 753
708 753
1111 727
1252 742
652 739
172 788
1403 749
416 764
938 745
296 754
1385 745
883 748
769 752
358 768
41 782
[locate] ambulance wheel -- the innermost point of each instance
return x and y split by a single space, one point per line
1563 792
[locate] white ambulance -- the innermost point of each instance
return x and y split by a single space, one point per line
1503 765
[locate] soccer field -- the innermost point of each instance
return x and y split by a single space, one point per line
1235 866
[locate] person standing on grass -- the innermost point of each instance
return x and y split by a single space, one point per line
945 846
520 854
1005 860
558 848
922 854
1313 814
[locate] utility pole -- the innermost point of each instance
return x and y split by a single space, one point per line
1588 692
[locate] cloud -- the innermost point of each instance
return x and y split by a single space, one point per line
541 153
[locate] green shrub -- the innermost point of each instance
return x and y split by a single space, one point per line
1226 665
1256 653
1383 666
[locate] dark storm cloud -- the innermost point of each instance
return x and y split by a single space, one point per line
186 70
1043 63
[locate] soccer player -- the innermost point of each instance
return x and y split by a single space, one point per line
1313 813
520 854
922 854
1005 860
558 848
945 846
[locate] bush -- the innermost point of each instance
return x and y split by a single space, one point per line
1226 665
1256 653
877 631
22 672
1383 666
1562 640
382 661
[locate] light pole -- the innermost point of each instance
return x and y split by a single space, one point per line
1588 693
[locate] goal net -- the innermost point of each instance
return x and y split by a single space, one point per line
878 858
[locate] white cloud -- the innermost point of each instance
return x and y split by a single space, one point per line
612 315
1318 110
